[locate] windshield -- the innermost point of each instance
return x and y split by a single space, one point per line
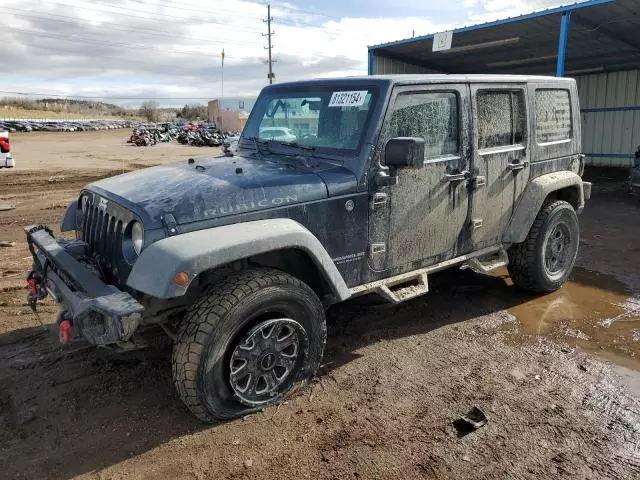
316 117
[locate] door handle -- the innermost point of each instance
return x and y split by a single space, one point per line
517 166
456 177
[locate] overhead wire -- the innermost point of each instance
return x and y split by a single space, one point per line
76 21
146 13
75 38
97 97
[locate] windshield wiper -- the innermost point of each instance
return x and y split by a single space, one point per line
257 142
295 144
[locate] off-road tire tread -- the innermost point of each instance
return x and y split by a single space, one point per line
522 256
201 320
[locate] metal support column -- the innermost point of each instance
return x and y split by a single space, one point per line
562 43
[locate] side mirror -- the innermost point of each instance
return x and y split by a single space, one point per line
404 152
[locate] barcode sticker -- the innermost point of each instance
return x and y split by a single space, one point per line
354 98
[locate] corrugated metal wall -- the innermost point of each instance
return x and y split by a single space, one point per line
610 104
390 66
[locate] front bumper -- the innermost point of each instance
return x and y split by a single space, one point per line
100 313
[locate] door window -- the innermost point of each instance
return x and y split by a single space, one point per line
502 119
431 116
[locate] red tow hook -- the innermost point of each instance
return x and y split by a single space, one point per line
36 292
32 285
64 331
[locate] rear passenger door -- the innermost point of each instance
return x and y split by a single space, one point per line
500 158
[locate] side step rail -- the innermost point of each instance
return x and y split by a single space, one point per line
489 263
406 289
412 284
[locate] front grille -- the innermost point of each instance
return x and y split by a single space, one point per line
103 225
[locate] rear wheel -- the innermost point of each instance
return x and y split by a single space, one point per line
247 343
543 262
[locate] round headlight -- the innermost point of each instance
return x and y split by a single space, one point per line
137 237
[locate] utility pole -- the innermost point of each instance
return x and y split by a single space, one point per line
269 33
221 106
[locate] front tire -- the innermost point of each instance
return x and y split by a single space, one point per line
247 343
543 262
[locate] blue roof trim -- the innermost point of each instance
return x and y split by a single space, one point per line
496 23
630 108
610 155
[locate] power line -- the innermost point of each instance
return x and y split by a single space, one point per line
181 6
94 97
269 33
106 42
146 13
145 31
288 9
177 7
165 69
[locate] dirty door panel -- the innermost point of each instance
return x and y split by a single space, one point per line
424 215
500 160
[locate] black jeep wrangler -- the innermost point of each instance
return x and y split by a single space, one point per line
336 188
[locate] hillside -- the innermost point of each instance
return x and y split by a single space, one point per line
11 107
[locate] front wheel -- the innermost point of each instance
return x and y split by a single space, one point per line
543 262
247 343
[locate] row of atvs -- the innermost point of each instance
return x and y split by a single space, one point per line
202 137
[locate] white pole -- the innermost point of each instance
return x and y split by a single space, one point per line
221 108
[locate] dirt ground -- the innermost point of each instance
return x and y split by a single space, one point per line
557 375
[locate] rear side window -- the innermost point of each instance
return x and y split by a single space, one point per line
431 116
553 115
502 119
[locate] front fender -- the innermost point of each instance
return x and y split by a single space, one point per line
196 252
532 199
70 219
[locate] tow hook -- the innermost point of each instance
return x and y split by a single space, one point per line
64 331
36 292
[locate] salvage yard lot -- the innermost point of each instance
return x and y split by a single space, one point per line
557 375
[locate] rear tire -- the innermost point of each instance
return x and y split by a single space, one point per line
543 262
247 343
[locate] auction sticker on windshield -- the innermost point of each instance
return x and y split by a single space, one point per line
354 98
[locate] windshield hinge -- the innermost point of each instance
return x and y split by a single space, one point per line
170 222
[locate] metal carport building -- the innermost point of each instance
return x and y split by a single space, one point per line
595 41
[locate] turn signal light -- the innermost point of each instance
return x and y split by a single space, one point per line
182 279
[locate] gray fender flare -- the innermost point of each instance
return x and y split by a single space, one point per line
532 199
195 252
69 220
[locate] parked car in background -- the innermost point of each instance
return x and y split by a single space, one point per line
282 134
6 160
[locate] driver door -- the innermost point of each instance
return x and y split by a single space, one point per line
422 219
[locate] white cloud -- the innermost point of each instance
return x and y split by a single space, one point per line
171 48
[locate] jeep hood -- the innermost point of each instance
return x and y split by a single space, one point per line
218 187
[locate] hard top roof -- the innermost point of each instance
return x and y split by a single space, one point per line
419 79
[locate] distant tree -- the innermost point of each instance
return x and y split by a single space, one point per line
194 112
149 110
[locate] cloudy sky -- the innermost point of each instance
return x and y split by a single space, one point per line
124 51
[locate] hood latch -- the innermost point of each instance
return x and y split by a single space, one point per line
170 222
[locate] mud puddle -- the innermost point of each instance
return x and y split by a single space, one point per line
592 311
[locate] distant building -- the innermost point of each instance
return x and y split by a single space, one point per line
225 118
